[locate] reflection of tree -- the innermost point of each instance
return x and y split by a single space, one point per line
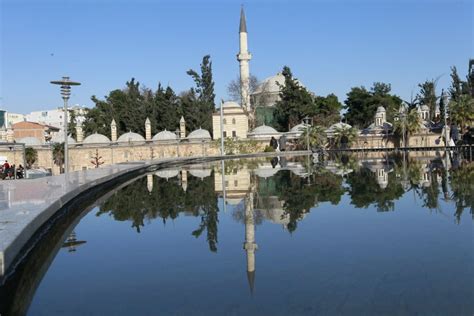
134 203
462 186
301 194
364 190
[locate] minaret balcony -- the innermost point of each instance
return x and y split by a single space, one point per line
244 56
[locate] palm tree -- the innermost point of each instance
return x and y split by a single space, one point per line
58 156
408 123
344 136
31 155
316 136
462 110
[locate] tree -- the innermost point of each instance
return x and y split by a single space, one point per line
408 122
96 160
316 135
190 111
361 104
427 95
71 127
327 110
167 109
31 155
58 156
233 88
295 103
462 110
205 91
344 136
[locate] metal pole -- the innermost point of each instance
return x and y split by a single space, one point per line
223 184
24 160
66 152
222 129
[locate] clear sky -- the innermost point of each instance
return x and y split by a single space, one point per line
329 45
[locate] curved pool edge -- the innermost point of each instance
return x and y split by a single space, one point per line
27 205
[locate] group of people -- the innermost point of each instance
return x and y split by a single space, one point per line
278 145
8 171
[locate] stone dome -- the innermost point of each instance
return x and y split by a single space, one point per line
264 130
271 84
200 173
30 141
96 139
230 104
381 109
165 135
299 128
167 173
130 137
59 138
424 108
199 134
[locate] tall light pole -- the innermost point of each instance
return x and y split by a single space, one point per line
308 121
65 84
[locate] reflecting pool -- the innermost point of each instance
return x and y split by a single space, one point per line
346 235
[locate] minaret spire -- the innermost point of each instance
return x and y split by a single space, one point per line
243 24
244 57
250 245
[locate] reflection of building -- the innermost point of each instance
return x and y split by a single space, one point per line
381 169
237 184
250 245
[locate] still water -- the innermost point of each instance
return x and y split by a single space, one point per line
287 236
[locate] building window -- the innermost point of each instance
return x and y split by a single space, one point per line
236 183
225 121
226 184
234 134
233 121
225 134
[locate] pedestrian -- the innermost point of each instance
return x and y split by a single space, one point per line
454 133
273 143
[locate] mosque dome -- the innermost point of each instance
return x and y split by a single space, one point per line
59 138
200 173
167 173
96 139
30 141
424 108
130 137
271 84
299 128
199 134
381 109
165 135
230 104
264 130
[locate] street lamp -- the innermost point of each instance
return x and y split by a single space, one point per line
308 122
65 84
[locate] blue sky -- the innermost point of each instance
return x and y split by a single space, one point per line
329 45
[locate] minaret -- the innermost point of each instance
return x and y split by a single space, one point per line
113 131
149 182
79 132
147 129
182 127
250 246
244 57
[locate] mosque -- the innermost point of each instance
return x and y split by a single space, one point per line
237 124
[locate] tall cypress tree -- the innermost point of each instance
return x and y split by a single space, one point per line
205 92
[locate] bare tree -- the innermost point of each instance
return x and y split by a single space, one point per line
233 88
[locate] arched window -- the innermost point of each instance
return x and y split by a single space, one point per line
225 121
233 120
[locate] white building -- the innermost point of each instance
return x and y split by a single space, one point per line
55 117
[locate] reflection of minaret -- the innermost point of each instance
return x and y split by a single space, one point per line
71 242
250 246
149 182
244 57
184 179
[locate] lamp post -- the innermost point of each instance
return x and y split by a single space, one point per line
65 84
